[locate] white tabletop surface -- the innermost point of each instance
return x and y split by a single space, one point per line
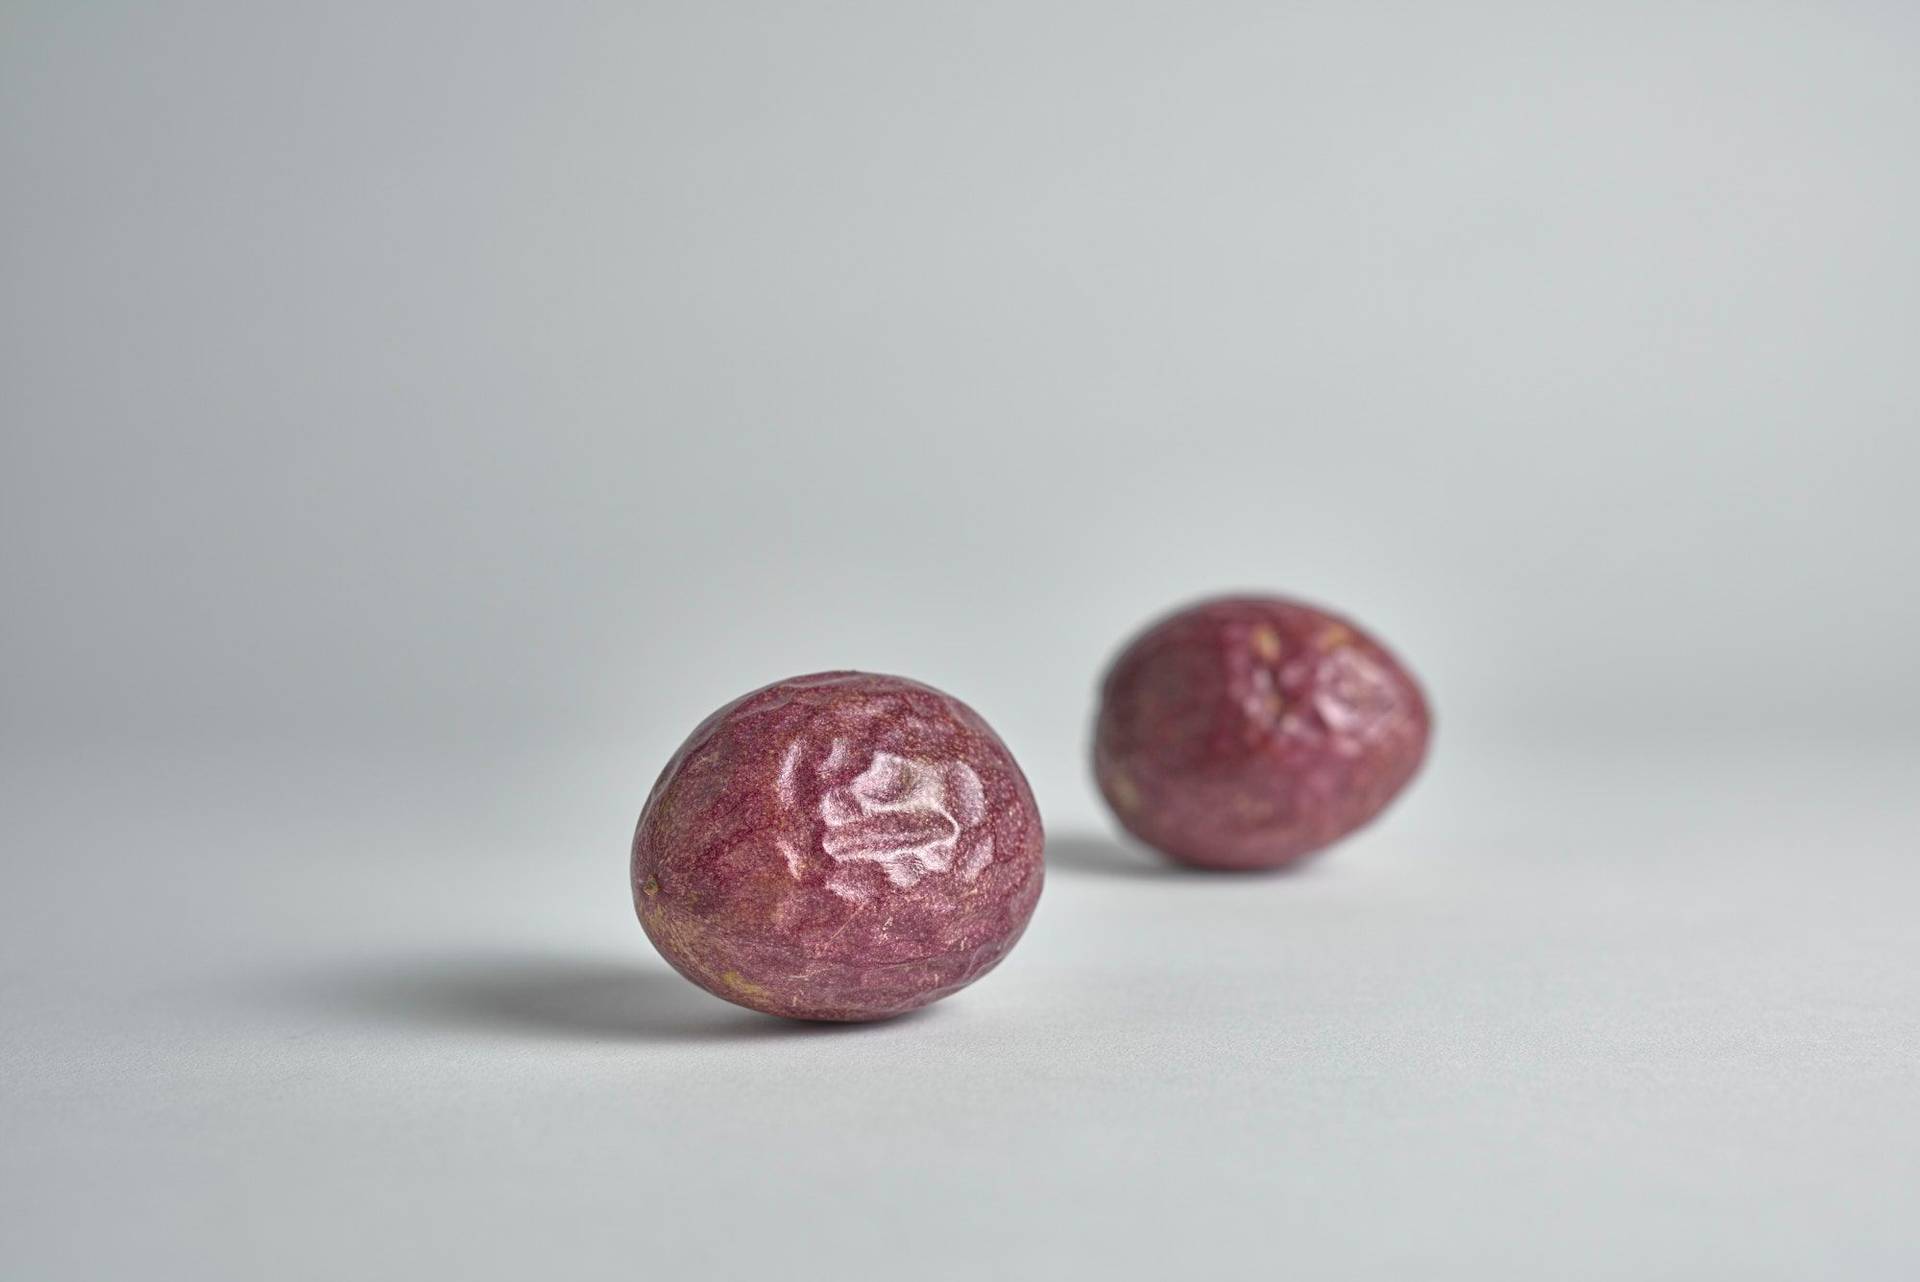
1565 1013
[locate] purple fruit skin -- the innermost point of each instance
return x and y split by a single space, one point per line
841 846
1250 732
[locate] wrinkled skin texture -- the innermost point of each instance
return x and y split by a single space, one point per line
1251 732
840 846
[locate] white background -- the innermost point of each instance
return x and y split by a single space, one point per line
413 418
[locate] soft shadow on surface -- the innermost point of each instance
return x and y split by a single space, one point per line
543 997
1097 855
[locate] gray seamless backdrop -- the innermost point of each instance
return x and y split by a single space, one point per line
414 417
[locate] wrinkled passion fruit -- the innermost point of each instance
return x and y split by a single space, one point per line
842 846
1250 732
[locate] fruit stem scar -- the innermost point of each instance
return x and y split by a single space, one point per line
651 888
1266 643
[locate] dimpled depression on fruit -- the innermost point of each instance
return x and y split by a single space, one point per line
1250 732
842 846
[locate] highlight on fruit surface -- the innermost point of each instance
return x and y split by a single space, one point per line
841 846
1250 732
